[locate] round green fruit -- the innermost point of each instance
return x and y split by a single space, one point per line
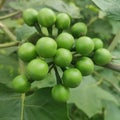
27 52
46 47
72 77
60 93
102 56
85 65
63 57
79 29
65 40
97 43
84 45
20 84
63 21
46 17
37 69
30 16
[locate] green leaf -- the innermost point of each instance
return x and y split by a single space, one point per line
9 104
8 69
112 112
88 96
11 23
25 32
115 26
58 5
101 28
111 7
49 81
61 6
38 106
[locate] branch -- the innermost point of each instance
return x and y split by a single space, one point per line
10 15
5 45
108 81
113 66
8 32
2 3
92 20
114 43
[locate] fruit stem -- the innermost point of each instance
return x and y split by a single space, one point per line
59 31
57 75
38 28
50 68
50 31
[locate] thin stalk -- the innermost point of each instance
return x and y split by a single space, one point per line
57 75
11 44
22 106
60 31
50 31
8 32
38 28
10 15
2 3
22 71
108 81
114 43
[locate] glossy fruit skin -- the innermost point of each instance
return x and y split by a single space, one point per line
27 52
60 93
30 16
84 45
85 65
46 47
65 40
79 29
37 69
102 56
63 21
97 43
63 57
72 77
20 84
46 17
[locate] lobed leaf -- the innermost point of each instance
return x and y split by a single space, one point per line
111 7
88 97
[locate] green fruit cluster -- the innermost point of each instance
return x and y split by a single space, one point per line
73 51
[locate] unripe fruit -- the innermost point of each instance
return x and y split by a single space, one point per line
46 47
46 17
79 29
65 40
62 21
97 43
72 77
60 93
30 16
63 57
85 65
21 84
37 69
84 45
27 52
102 56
